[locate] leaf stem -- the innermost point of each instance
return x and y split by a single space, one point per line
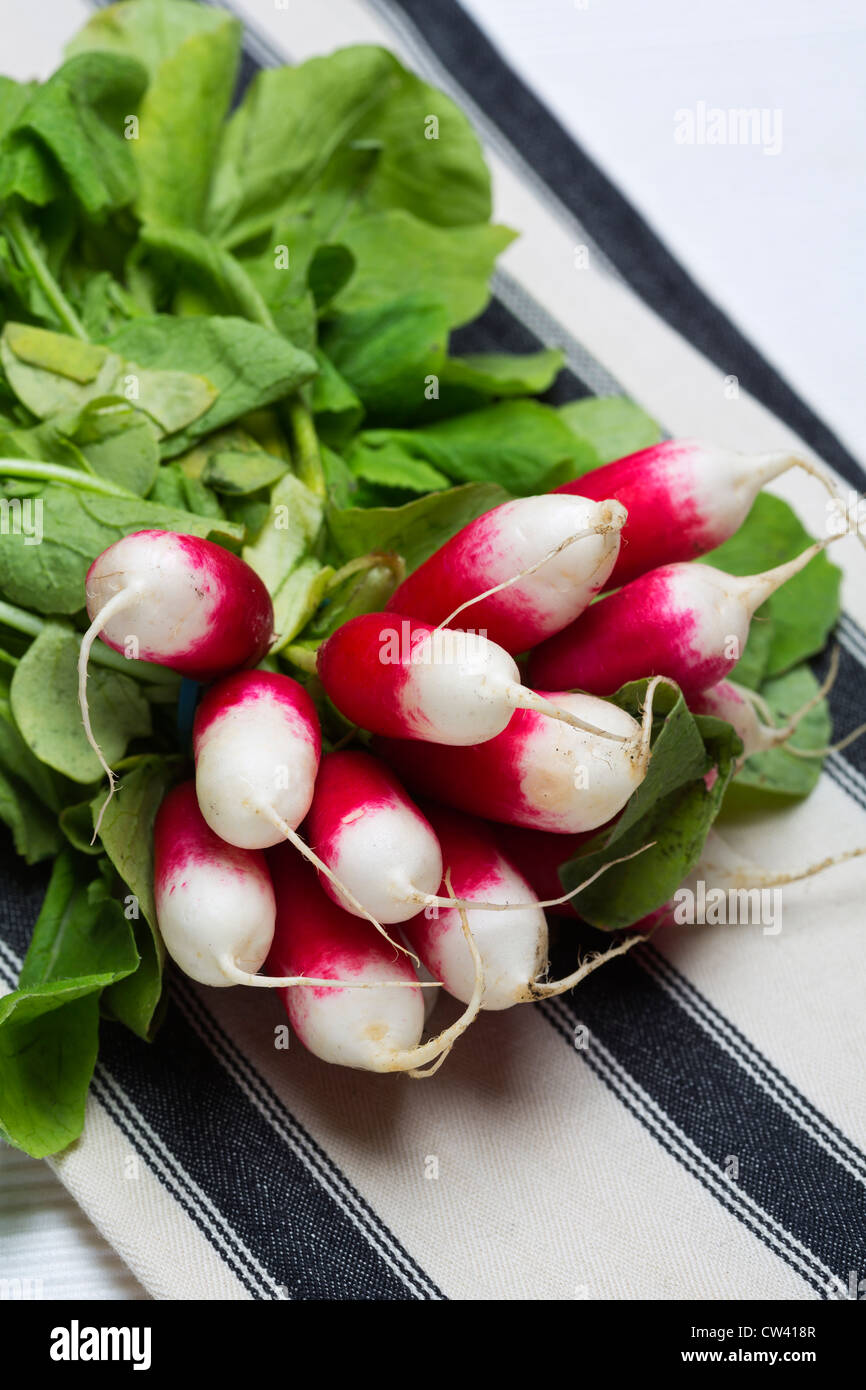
20 620
247 297
33 256
59 473
375 559
307 456
302 657
28 623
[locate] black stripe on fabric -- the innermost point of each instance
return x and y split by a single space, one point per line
626 239
234 1060
847 699
171 1176
848 767
265 1193
22 892
163 1167
167 1115
668 1142
723 1111
841 775
246 72
649 958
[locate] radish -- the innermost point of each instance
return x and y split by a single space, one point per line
189 604
685 621
517 569
416 681
683 498
512 944
743 709
537 772
179 601
257 745
374 1029
736 705
382 848
214 902
373 837
539 855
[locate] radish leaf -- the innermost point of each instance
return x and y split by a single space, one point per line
49 1026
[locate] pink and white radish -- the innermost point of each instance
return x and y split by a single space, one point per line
382 849
513 943
683 498
740 708
257 747
373 837
743 708
179 601
689 622
537 772
539 855
185 603
214 902
403 678
375 1028
518 573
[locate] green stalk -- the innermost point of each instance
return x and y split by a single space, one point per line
30 252
306 453
59 473
249 301
20 620
28 623
307 456
302 657
374 559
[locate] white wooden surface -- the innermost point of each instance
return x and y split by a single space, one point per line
48 1248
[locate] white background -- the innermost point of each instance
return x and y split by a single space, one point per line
778 242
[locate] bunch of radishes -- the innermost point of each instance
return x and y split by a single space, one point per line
504 774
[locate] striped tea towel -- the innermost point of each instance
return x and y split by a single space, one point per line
690 1123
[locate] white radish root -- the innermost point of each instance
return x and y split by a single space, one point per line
434 900
114 605
415 1059
547 989
303 848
